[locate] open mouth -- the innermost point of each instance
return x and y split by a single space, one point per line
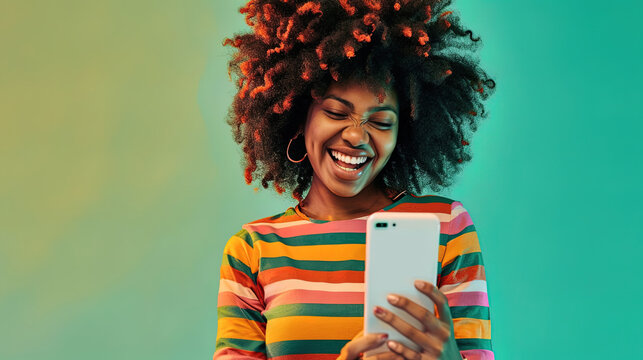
348 163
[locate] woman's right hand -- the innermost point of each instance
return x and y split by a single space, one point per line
362 343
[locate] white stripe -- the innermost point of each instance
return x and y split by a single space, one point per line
237 289
444 218
285 285
458 210
469 286
278 225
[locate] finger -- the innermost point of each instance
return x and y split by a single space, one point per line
360 344
438 298
423 340
410 354
426 317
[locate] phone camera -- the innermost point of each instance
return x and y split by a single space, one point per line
381 225
393 224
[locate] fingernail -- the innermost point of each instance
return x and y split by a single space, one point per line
420 284
383 337
392 345
392 299
379 311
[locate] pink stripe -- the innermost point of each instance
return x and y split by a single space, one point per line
460 222
236 354
314 297
306 357
474 298
478 354
348 226
228 298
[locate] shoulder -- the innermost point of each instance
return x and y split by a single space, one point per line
267 226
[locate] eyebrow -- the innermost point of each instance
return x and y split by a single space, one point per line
352 107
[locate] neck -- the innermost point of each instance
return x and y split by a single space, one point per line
321 204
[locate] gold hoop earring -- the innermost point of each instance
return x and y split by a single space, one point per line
288 151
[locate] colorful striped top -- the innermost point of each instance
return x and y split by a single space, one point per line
293 287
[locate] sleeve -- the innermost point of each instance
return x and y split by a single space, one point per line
462 279
241 326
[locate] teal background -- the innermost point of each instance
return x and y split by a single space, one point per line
120 183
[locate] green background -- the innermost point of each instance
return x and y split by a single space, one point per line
120 183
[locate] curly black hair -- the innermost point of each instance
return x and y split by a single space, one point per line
298 48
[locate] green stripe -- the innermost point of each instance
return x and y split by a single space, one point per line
290 211
473 312
425 200
331 310
315 239
444 239
239 265
466 230
291 347
462 261
473 344
237 312
249 345
245 236
282 261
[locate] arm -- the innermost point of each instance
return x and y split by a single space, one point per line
241 326
462 280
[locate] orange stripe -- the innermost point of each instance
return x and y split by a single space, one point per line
463 244
315 252
466 328
238 328
313 328
238 249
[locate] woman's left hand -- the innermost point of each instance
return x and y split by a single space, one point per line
436 340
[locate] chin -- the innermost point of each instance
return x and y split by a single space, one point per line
346 191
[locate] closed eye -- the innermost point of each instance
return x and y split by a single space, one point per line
381 124
335 115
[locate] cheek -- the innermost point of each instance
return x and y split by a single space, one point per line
387 145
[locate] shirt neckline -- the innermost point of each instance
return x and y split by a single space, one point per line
397 201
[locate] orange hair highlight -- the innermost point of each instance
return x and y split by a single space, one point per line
349 51
282 33
423 38
267 12
360 36
373 5
407 32
347 7
310 6
428 14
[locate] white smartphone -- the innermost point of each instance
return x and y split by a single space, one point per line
400 248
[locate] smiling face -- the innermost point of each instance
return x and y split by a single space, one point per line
350 136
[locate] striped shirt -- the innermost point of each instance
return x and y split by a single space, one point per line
293 287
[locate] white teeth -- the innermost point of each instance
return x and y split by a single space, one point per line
349 159
346 169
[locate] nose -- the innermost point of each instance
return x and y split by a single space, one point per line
356 135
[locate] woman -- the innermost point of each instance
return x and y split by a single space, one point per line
358 104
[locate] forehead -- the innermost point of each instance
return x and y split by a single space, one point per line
359 92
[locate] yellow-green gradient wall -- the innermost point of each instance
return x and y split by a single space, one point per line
120 183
